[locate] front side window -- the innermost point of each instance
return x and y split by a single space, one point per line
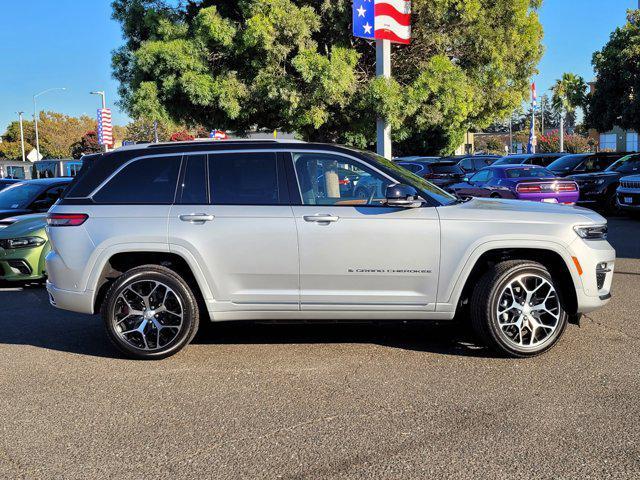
18 196
481 176
148 181
244 179
467 164
325 179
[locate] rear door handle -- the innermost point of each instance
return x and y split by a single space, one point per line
198 218
321 218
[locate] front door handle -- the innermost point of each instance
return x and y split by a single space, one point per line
321 218
197 218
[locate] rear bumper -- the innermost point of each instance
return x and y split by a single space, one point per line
562 198
81 302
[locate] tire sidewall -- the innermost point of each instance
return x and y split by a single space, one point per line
494 298
174 282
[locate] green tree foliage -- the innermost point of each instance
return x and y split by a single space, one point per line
141 130
13 150
294 65
615 100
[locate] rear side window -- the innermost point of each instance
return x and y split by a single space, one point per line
244 179
193 188
149 181
412 167
446 169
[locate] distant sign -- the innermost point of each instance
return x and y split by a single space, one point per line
105 128
382 20
33 156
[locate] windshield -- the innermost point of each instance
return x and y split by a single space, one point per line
413 180
566 163
628 164
18 196
529 173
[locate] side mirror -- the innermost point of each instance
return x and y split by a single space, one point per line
404 196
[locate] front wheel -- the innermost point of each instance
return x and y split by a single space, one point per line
150 313
517 310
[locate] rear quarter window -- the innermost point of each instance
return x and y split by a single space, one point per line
148 181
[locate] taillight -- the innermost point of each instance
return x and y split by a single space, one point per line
66 219
567 187
529 188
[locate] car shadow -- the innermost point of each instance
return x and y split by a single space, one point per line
28 319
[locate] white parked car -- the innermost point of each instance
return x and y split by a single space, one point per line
158 237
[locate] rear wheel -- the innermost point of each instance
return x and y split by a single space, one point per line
517 310
150 313
495 195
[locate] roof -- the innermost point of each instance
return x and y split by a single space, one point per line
200 142
511 166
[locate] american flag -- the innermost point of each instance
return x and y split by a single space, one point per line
382 20
105 128
534 95
218 135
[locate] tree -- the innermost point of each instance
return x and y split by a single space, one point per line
293 65
87 144
615 101
142 130
569 93
13 150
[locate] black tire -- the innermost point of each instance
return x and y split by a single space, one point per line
611 206
495 195
484 305
184 302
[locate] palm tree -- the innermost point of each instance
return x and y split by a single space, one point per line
569 93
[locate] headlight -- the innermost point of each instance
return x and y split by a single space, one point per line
22 242
592 232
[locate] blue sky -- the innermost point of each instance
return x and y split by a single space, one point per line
68 43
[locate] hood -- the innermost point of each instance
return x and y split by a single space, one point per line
519 211
22 226
631 178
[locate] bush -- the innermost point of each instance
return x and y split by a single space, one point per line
572 143
182 136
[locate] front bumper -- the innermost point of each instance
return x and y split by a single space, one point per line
597 261
22 264
628 199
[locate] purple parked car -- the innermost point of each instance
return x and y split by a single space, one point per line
519 182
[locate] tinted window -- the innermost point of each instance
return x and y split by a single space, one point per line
484 162
193 188
566 163
244 179
604 161
149 181
467 164
48 198
446 169
510 160
529 173
481 176
630 164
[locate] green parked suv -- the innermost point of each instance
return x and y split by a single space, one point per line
23 247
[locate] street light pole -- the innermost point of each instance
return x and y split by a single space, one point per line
104 98
511 133
36 114
22 136
383 69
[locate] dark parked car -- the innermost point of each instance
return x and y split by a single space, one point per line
416 158
598 189
519 182
629 194
540 159
472 163
7 182
31 196
584 163
441 173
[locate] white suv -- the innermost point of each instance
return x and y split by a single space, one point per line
157 236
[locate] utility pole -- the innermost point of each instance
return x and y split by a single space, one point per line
36 114
511 131
383 69
24 158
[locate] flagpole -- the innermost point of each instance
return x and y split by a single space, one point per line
383 69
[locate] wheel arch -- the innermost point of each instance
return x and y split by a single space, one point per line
550 256
119 262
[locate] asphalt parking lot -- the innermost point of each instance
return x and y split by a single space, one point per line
322 401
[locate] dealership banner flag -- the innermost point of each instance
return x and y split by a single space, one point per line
105 127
